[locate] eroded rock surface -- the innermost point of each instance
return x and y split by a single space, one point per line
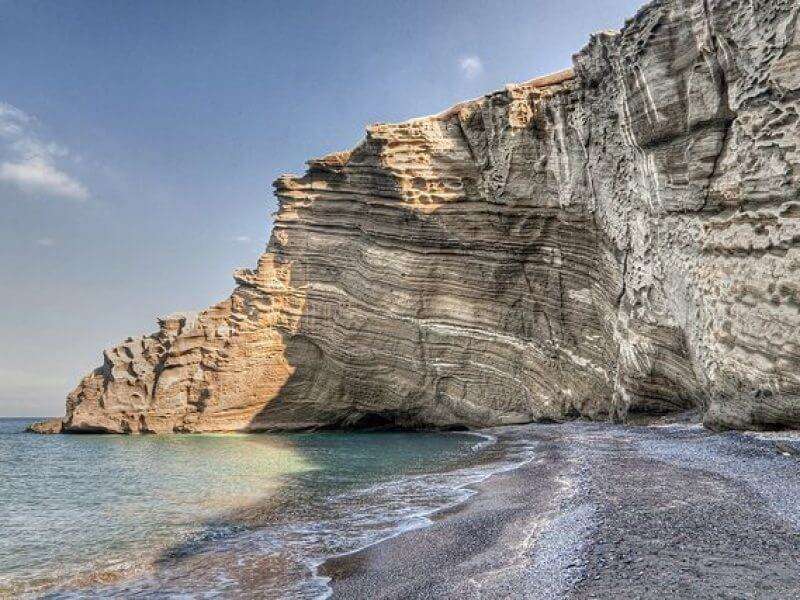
47 427
619 238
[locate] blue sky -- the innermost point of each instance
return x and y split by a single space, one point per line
139 140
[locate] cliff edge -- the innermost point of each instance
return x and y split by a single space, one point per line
619 238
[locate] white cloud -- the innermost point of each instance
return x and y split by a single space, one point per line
45 241
39 177
471 66
29 163
242 239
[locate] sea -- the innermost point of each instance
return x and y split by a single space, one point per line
218 515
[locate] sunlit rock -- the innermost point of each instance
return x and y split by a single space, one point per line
617 239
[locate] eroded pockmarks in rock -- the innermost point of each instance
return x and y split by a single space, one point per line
619 238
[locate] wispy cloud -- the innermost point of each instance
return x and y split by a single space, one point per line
471 66
242 239
30 163
39 177
45 241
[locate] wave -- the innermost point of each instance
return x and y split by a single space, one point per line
429 495
278 552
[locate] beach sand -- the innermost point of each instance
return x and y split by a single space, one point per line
606 511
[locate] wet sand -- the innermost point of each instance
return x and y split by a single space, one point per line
606 511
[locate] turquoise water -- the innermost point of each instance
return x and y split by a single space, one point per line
215 515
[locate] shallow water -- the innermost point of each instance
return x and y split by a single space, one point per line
216 515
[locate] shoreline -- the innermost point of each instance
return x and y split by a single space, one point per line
358 515
583 510
368 572
601 510
427 518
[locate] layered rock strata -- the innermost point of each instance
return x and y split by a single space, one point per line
619 238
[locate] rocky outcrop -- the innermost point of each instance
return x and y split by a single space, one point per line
47 427
619 238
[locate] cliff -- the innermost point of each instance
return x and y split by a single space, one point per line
619 238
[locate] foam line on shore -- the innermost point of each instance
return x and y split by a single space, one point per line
424 518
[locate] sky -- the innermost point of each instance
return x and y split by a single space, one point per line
139 140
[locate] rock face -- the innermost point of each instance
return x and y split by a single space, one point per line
619 238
